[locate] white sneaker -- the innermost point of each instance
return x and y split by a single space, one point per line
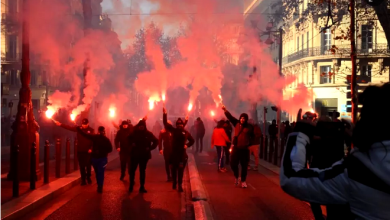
243 185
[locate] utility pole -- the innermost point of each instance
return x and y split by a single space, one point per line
24 129
279 112
353 62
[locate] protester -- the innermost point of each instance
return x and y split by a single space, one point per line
123 147
243 135
84 145
273 135
200 131
219 140
141 142
287 129
362 180
255 145
165 139
101 146
179 157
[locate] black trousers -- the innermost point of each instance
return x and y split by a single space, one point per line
167 164
85 165
134 163
125 162
199 139
178 172
240 156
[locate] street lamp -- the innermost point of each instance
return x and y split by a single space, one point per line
269 41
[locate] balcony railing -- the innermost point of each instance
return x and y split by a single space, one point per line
376 49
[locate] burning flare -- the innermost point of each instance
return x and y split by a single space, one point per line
151 105
212 113
190 107
72 117
312 111
49 113
112 112
163 97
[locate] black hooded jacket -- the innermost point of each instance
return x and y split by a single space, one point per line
84 144
141 142
243 132
101 145
179 139
200 130
121 139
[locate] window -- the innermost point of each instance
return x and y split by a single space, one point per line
14 77
366 70
12 43
4 103
325 77
35 103
367 37
326 40
297 44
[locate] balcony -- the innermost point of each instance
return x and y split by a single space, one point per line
342 50
11 57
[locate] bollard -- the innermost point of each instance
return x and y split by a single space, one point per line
265 147
46 162
58 158
15 182
277 141
75 161
261 147
33 168
67 157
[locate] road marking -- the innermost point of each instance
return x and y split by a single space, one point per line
251 186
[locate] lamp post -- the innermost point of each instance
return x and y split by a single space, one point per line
269 41
24 129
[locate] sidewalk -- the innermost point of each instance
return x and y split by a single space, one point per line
263 199
14 208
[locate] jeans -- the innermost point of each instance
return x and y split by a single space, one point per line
197 140
99 165
84 159
134 162
125 160
240 156
178 172
220 155
254 149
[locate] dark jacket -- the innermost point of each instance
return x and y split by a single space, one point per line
273 130
101 145
257 135
165 138
179 139
200 130
84 144
141 143
229 131
244 137
122 141
287 130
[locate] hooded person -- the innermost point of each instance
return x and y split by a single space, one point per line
181 140
200 131
242 140
141 142
165 148
101 146
83 148
122 146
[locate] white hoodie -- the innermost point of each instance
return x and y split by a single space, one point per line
362 180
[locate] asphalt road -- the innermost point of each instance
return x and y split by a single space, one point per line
263 199
83 202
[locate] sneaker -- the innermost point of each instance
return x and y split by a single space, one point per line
243 185
122 177
89 180
142 190
222 170
180 188
174 186
255 168
236 182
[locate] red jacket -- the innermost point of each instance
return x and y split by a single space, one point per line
219 138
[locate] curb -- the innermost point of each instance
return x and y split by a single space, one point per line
197 189
202 208
26 203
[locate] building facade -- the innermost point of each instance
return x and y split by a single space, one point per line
320 58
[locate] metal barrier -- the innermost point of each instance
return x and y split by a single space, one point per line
46 162
75 161
67 156
58 158
33 165
15 177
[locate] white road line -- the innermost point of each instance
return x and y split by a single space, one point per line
251 186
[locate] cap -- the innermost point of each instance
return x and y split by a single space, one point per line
84 121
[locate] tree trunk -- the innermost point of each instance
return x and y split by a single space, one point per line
383 14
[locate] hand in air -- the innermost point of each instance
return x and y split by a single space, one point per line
164 111
161 152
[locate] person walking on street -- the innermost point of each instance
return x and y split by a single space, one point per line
179 157
165 148
83 148
219 140
200 131
141 142
273 136
254 148
243 135
123 147
101 146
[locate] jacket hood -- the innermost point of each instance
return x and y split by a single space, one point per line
244 115
377 160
